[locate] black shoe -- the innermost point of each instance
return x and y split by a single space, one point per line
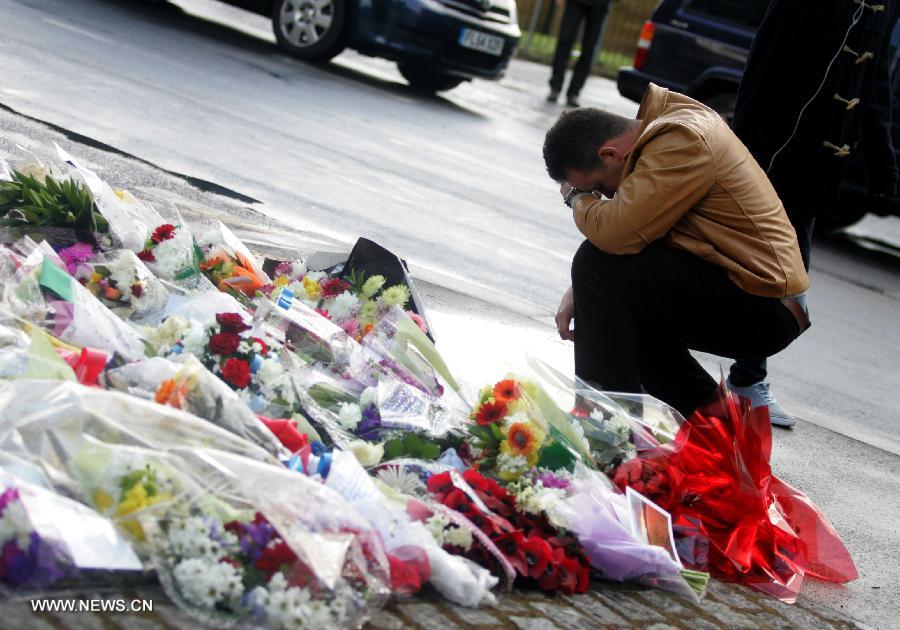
554 94
572 101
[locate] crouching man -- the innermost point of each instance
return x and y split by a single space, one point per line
692 250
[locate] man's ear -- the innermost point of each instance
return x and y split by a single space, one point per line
608 152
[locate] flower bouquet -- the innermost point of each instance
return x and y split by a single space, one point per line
35 287
265 558
50 542
227 262
170 252
730 513
190 387
121 281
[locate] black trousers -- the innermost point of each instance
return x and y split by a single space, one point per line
574 14
746 372
637 316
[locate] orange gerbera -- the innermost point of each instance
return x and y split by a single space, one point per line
490 412
521 440
507 391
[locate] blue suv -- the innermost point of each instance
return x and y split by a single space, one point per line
700 48
437 44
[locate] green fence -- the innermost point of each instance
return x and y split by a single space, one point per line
539 21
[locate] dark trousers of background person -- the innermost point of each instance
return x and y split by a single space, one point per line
745 372
575 12
637 316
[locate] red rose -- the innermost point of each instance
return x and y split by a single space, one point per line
333 287
163 233
146 255
236 373
274 558
231 322
224 343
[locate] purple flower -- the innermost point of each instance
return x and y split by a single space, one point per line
254 537
549 480
9 495
369 427
39 565
77 253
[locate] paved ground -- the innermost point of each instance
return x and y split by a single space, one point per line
455 185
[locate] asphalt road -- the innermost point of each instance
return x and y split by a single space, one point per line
456 185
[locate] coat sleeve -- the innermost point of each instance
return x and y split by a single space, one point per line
674 171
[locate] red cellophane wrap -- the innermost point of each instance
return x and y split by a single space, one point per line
87 365
730 514
286 431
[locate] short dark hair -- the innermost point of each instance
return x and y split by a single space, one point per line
572 142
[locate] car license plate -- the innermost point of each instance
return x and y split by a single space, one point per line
476 40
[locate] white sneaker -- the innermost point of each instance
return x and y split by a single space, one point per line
760 394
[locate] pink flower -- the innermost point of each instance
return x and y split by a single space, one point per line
418 320
350 326
77 253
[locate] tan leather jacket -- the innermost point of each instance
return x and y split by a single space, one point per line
690 181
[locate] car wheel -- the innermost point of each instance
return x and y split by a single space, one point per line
310 29
723 104
426 79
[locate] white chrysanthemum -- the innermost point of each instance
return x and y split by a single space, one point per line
459 537
190 537
512 464
14 525
398 478
349 416
342 306
372 286
536 499
298 268
269 370
437 527
316 276
123 273
397 295
174 255
169 332
194 342
368 397
205 582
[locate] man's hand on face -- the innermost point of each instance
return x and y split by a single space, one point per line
565 314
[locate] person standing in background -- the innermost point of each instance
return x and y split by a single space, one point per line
802 110
592 14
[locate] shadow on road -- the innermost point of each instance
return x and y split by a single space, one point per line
171 16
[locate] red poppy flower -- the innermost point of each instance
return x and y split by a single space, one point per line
507 391
439 485
333 287
275 557
570 570
489 413
475 479
584 579
511 545
224 343
457 500
231 322
236 373
163 233
146 255
538 554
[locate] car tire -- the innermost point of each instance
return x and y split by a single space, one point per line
425 79
313 30
723 104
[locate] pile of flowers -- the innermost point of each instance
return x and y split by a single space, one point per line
541 555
